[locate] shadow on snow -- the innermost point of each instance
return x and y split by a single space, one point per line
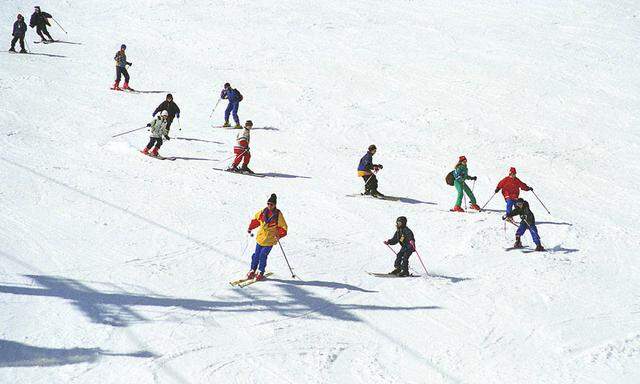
200 140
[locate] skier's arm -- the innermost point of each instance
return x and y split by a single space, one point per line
178 108
160 108
393 240
223 94
282 227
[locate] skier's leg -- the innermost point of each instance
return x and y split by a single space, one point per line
125 73
509 205
398 263
458 186
22 49
152 141
405 262
246 158
467 190
534 234
238 152
169 121
158 142
227 112
255 258
263 258
13 44
39 32
236 105
118 74
46 32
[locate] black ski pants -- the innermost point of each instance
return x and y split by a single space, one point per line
370 183
15 40
402 260
154 140
41 30
122 71
169 121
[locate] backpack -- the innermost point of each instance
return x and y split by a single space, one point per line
240 97
449 178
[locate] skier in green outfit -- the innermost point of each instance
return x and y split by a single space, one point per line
460 174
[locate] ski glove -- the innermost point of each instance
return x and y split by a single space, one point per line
531 189
167 137
473 178
386 242
148 124
497 190
178 115
281 232
413 244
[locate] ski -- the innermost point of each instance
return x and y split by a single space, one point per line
523 248
390 275
245 282
172 158
131 90
379 197
34 54
56 41
240 173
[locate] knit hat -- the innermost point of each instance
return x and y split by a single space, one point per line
273 199
227 85
248 123
512 170
372 147
461 159
169 96
402 220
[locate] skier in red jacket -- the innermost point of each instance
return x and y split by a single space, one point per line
511 187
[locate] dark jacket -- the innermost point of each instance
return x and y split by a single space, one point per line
170 106
525 214
121 59
19 28
404 236
233 95
39 19
366 162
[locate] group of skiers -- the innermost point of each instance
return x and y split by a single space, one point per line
39 20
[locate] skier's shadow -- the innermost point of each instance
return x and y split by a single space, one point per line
452 279
324 284
190 158
16 354
199 140
285 175
559 248
553 223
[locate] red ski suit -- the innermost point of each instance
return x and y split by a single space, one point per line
511 187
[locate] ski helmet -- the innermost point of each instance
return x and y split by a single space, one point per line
372 147
227 85
402 220
248 123
164 113
123 46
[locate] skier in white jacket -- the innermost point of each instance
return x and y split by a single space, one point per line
158 129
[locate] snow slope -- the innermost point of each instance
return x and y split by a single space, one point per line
115 267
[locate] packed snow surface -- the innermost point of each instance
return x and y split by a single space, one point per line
115 267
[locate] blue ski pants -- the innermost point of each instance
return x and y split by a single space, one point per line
532 229
510 204
232 108
259 258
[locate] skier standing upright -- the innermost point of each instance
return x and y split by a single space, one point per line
241 149
367 170
511 187
272 228
403 236
235 97
40 20
19 30
158 130
460 174
172 109
528 221
121 69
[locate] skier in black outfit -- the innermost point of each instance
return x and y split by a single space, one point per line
39 20
19 30
172 109
528 221
404 236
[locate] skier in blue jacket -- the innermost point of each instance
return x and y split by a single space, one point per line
367 170
235 97
19 30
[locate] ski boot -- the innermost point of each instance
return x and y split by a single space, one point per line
23 51
125 86
232 168
116 86
457 208
367 192
145 151
404 273
154 152
226 124
376 193
518 243
251 275
539 248
237 126
12 49
476 207
260 276
395 271
246 169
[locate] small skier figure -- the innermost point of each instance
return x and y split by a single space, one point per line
172 109
19 30
158 129
367 170
121 69
235 97
511 187
272 228
404 236
528 221
40 20
241 149
460 174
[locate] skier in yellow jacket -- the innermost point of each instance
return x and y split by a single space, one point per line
272 226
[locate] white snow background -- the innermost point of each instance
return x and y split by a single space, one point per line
115 267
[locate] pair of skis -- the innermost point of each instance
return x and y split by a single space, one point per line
390 275
159 157
245 282
240 172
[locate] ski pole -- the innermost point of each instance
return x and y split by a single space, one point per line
534 194
485 204
214 108
179 125
285 258
133 130
65 32
367 181
420 258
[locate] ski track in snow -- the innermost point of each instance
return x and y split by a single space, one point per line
115 266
